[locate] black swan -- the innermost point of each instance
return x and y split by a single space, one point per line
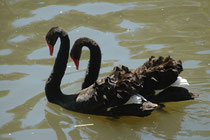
109 96
162 82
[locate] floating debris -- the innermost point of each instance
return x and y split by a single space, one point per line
82 125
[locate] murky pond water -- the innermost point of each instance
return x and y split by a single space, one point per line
128 32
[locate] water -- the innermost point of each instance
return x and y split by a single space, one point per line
128 33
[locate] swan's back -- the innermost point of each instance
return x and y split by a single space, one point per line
109 95
159 73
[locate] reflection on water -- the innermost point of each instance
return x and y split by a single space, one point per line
204 52
191 64
54 10
131 26
5 52
128 33
19 38
154 46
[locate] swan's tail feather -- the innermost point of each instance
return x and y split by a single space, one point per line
159 73
161 80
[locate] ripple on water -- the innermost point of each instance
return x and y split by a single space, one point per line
151 47
194 124
5 52
88 8
191 64
204 52
19 38
4 93
32 133
131 26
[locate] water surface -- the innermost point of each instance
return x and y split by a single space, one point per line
128 32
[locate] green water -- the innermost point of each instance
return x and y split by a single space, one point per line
128 32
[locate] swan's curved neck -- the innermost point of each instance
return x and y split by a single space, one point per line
52 87
62 59
94 62
93 66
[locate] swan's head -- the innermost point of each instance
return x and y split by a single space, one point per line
76 62
75 56
52 37
76 52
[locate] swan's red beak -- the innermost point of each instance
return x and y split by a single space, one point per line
50 48
76 62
